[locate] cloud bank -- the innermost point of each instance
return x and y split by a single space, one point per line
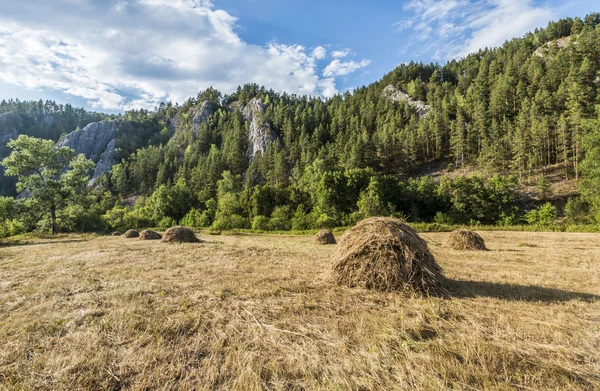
120 55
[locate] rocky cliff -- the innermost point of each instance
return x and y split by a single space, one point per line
97 142
197 114
392 93
260 133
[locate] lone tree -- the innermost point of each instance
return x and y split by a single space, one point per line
52 177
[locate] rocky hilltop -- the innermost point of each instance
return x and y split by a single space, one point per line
260 133
97 142
197 115
392 93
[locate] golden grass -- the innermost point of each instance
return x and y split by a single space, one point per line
256 313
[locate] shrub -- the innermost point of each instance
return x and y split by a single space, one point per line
576 211
280 220
325 221
260 223
167 222
542 216
224 222
194 218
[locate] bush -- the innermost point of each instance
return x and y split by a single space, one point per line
167 222
325 221
260 223
196 219
280 220
542 216
442 218
576 211
224 222
11 227
77 218
301 221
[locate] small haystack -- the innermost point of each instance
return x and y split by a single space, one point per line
463 239
116 233
150 235
325 236
131 234
180 235
386 254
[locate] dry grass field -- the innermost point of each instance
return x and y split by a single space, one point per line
258 313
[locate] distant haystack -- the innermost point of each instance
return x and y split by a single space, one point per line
325 236
180 235
386 254
116 233
463 239
150 235
131 234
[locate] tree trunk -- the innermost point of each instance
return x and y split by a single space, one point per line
53 218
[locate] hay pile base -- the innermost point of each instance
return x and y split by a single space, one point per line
116 233
463 239
132 233
180 235
325 236
386 254
150 235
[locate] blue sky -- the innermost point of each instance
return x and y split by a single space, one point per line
115 55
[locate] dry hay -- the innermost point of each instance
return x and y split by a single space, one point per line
325 236
180 235
150 235
386 254
116 233
463 239
132 233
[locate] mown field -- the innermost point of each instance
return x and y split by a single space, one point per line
258 313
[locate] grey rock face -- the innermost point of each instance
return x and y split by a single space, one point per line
392 93
97 142
198 114
560 43
260 134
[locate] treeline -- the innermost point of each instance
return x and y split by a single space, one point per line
512 111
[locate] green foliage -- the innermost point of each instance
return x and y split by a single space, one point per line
545 215
543 188
52 177
260 223
196 219
577 211
167 222
472 199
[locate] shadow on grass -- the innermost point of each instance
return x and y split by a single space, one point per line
21 243
532 293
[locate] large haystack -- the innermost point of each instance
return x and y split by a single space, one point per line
325 236
180 235
386 254
463 239
116 233
131 234
150 235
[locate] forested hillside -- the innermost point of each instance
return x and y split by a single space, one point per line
513 113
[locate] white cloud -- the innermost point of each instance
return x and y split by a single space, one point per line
340 53
319 53
455 28
340 68
137 53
